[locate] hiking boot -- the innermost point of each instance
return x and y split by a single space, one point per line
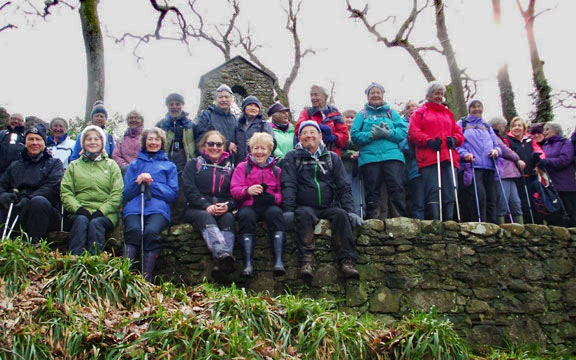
307 268
348 269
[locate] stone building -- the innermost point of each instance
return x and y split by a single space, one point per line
243 77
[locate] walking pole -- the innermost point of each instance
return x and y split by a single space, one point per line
503 192
454 182
62 218
361 194
476 194
439 183
7 222
12 227
142 191
528 199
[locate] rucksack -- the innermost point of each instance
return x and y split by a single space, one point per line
300 162
201 162
249 169
545 200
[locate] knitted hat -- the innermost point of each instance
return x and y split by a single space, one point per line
174 97
472 102
308 123
251 100
223 87
99 108
374 85
36 130
99 131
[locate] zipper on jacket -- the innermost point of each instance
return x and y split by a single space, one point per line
213 181
317 184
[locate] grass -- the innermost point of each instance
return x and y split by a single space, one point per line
55 306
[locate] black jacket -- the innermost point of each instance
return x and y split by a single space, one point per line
34 177
524 150
242 136
320 184
206 183
11 145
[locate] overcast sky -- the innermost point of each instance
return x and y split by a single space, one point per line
43 63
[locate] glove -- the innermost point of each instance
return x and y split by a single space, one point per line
543 164
535 158
380 132
326 130
82 211
434 144
451 142
7 198
22 205
355 220
327 135
96 214
289 220
264 200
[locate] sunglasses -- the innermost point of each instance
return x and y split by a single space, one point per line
212 144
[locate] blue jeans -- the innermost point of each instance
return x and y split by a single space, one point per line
153 226
89 234
357 193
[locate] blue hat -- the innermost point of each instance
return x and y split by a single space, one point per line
99 108
251 100
308 123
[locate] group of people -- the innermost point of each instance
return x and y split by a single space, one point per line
221 170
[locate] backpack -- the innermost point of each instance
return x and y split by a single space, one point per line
300 164
201 162
249 169
545 200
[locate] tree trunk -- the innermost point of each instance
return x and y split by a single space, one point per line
94 45
424 68
459 108
506 93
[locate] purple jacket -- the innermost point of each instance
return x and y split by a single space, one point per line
507 162
128 147
480 139
559 163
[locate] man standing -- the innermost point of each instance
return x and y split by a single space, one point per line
315 186
11 141
99 118
32 185
283 130
180 144
218 117
334 131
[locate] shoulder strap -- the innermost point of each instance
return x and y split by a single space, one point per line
309 113
248 168
3 135
199 163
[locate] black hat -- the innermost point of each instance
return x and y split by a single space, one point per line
276 108
37 130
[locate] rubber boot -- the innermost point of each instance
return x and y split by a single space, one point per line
130 252
500 220
149 263
518 219
307 267
278 240
248 248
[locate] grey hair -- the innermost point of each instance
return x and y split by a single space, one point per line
433 86
223 87
554 127
319 88
135 113
495 121
56 119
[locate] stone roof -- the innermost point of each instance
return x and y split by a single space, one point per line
227 63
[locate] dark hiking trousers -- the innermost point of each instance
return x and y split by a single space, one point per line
249 215
391 172
153 226
430 180
89 234
306 218
487 186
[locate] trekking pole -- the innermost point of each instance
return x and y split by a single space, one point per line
454 182
528 199
12 227
142 191
7 222
476 194
439 183
503 192
62 218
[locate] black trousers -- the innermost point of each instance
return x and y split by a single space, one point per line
391 172
486 184
560 218
249 215
89 234
201 218
430 180
37 220
306 218
153 226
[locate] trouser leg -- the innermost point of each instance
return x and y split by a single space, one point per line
40 217
430 181
153 226
306 219
372 183
97 233
392 172
341 231
448 195
79 235
274 218
491 185
247 219
416 188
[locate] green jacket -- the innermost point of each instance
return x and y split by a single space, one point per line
284 140
187 139
380 149
94 185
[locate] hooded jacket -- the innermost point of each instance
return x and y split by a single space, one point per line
378 150
242 136
525 148
284 140
38 176
331 117
61 150
170 125
163 188
108 146
480 141
205 182
11 146
128 147
258 175
94 185
559 163
319 182
216 119
507 162
429 121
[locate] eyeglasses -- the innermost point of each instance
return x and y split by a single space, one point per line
212 144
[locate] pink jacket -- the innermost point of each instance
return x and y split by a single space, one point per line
128 147
258 175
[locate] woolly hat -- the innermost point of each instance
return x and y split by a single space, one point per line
472 102
223 87
100 133
174 97
36 130
251 100
99 108
374 85
308 123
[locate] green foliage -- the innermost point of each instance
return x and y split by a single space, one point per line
529 352
115 125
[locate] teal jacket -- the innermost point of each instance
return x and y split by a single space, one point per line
284 140
381 149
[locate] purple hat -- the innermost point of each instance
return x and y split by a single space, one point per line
276 108
308 123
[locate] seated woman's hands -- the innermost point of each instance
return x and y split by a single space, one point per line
217 209
255 190
144 178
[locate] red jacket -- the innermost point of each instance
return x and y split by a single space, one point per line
331 117
429 121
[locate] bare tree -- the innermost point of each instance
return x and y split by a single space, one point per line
402 37
544 111
223 41
7 26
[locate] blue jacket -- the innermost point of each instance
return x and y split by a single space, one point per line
381 149
410 156
480 139
163 190
109 147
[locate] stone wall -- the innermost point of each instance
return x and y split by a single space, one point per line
497 284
